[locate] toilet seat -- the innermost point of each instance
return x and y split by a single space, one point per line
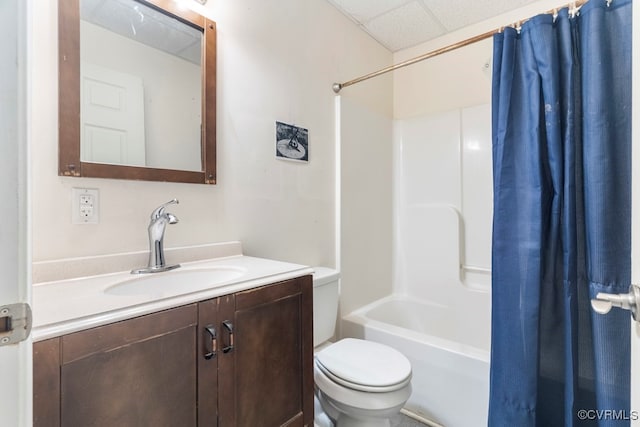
364 366
343 397
361 387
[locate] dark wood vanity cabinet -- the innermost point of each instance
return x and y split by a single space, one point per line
243 359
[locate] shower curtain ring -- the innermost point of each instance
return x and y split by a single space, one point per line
609 3
573 9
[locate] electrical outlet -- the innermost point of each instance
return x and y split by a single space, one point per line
84 206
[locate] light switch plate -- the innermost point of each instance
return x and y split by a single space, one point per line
85 206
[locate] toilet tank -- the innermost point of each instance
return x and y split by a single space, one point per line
325 303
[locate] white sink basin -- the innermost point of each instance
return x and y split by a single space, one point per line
176 282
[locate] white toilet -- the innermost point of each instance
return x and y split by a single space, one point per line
358 383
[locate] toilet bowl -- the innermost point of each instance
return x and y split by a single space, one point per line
358 383
361 383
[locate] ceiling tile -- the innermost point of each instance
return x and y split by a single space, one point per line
454 14
364 10
404 27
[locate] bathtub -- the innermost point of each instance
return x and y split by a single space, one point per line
448 350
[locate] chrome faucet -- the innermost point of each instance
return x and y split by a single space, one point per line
157 226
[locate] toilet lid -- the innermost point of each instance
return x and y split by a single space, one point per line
363 363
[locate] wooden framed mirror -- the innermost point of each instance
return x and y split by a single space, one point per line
137 91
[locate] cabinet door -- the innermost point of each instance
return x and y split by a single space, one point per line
208 355
272 380
46 383
138 372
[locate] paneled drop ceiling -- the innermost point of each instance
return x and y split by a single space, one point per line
399 24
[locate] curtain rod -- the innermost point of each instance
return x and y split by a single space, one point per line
574 6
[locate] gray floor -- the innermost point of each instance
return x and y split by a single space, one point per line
402 420
399 420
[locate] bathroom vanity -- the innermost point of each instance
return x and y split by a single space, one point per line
237 353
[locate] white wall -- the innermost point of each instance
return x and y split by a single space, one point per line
454 80
366 205
276 61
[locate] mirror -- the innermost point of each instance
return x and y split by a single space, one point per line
137 91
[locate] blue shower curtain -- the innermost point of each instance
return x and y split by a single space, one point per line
562 219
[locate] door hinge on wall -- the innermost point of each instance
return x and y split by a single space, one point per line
15 323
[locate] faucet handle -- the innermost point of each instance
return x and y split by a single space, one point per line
157 212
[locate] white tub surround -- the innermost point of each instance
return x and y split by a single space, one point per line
70 305
443 203
438 314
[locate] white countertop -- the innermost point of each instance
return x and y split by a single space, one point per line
67 306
